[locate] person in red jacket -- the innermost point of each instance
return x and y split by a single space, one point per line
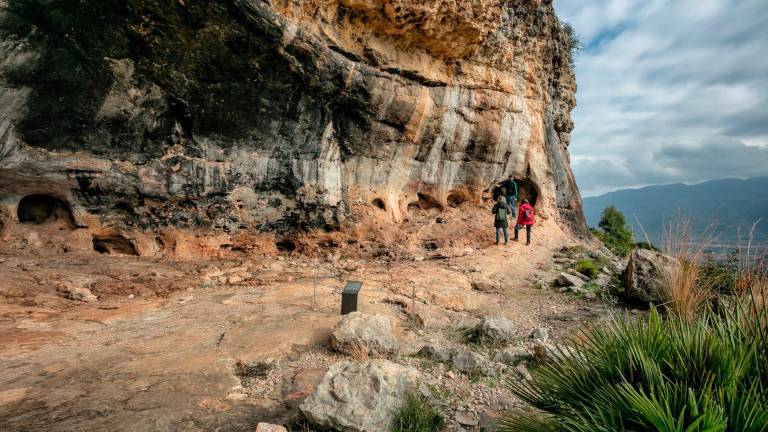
525 218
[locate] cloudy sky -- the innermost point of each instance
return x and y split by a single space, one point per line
669 91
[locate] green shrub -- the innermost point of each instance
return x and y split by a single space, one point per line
587 268
417 415
662 373
646 245
615 233
721 276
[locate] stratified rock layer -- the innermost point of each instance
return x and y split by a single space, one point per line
270 116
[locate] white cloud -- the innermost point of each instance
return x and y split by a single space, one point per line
664 78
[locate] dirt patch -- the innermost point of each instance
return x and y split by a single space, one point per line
162 339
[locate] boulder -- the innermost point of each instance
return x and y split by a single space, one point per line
358 330
646 274
360 396
512 355
496 329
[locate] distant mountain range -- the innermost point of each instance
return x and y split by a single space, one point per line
721 211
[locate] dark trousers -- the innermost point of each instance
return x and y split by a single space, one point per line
506 234
527 233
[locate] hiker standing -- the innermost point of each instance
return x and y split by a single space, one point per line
501 213
525 218
510 186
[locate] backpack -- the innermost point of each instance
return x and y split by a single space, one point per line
501 214
528 213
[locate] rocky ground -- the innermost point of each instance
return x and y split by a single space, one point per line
96 342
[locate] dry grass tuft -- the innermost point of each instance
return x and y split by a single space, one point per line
686 293
357 352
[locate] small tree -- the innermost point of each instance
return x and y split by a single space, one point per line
573 41
616 234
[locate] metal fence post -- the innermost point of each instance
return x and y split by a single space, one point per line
314 287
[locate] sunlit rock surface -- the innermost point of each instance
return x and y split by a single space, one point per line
250 115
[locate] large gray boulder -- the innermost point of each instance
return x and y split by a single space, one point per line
646 275
360 396
496 330
370 332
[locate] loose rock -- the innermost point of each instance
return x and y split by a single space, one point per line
512 355
439 354
540 334
268 427
77 293
496 329
466 419
360 396
569 280
469 362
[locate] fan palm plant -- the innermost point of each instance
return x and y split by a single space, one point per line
658 373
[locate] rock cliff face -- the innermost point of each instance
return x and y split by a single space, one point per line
250 115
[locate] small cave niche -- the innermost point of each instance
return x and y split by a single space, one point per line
114 245
379 203
457 198
39 209
526 189
425 202
285 246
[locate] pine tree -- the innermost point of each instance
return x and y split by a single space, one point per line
616 234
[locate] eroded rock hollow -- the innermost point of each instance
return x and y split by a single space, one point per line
258 116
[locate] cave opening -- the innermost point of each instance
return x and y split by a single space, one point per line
526 189
114 245
39 209
285 246
425 202
378 202
457 198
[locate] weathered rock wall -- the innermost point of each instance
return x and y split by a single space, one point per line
272 116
